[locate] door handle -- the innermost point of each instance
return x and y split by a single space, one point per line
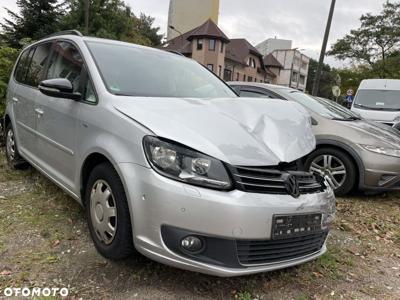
39 112
15 100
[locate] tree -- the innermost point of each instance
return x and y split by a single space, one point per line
37 18
377 39
327 79
112 19
8 57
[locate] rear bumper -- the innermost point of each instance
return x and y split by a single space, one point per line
156 202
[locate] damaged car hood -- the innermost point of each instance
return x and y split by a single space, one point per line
245 131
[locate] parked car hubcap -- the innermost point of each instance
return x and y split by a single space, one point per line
103 212
330 167
10 145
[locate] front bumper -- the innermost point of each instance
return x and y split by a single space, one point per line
381 172
156 202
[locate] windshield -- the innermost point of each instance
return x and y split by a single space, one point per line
321 106
378 99
133 71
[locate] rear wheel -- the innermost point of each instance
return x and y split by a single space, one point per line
336 166
107 213
13 157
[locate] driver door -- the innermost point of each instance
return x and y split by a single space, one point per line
57 117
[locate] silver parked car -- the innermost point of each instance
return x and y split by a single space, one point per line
351 152
166 159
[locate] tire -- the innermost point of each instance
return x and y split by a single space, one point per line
339 162
112 235
14 159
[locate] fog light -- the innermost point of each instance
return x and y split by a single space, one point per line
192 243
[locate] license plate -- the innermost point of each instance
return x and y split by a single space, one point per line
285 226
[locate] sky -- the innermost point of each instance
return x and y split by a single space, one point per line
302 21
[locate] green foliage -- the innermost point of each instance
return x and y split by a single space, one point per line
37 18
328 78
243 295
112 19
375 44
7 58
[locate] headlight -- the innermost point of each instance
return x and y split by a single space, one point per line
183 164
382 150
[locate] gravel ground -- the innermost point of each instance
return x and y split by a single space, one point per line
44 242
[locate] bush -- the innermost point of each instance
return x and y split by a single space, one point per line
7 58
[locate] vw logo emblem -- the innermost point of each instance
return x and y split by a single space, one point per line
292 186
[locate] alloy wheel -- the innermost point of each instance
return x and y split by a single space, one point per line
331 168
103 212
10 145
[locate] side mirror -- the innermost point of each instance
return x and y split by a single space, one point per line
59 88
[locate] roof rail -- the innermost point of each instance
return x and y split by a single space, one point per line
65 32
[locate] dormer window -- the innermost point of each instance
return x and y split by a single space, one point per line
251 62
211 44
199 44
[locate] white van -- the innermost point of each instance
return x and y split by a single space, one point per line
378 100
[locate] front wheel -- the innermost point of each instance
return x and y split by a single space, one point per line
107 213
336 166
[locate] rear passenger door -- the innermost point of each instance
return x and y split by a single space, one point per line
29 71
58 119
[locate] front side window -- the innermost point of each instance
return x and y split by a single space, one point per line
211 45
37 65
66 63
132 71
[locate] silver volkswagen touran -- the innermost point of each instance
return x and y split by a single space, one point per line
165 159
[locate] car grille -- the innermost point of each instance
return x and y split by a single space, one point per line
273 251
268 180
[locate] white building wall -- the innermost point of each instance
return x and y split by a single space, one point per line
295 68
270 45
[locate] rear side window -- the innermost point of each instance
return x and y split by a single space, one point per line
66 63
38 64
22 67
253 94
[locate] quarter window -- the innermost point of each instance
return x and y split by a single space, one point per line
66 63
22 67
37 65
90 95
